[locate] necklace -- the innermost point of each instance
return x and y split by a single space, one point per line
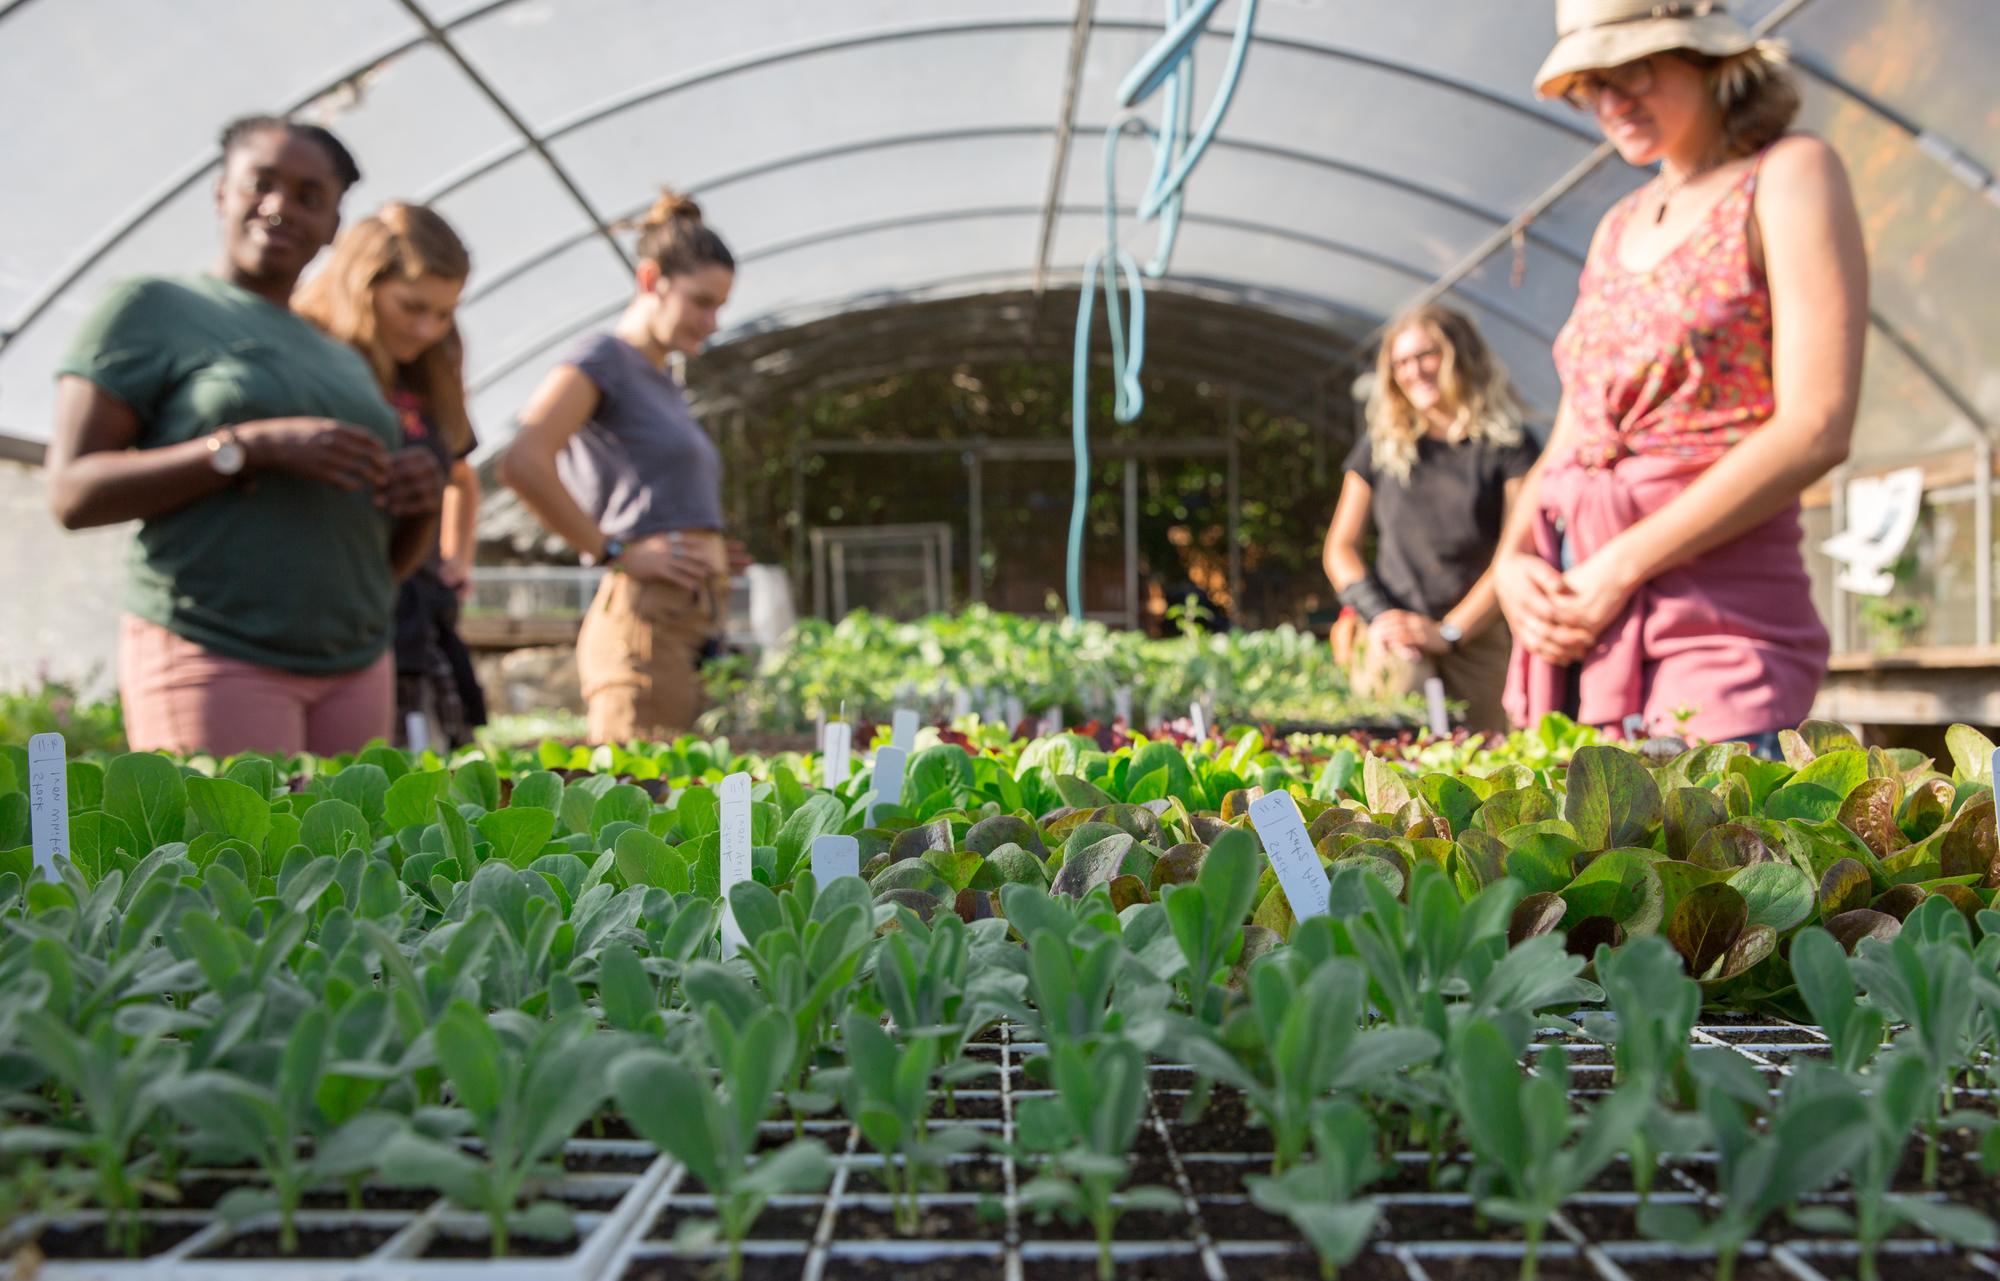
1674 186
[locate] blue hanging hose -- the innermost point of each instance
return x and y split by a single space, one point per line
1169 64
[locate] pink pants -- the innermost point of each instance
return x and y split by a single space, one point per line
182 698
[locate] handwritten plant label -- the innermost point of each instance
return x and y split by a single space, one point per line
834 856
48 802
733 797
836 749
1275 815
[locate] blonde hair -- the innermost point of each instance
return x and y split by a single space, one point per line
1757 94
1473 387
400 242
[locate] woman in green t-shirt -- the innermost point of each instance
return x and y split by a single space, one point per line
276 500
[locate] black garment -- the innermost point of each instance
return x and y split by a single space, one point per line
434 673
1436 534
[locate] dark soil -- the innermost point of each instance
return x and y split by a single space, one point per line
1220 1178
610 1126
351 1241
756 1267
960 1176
1602 1221
782 1221
372 1198
86 1241
1303 1265
1226 1125
1244 1221
588 1202
450 1245
1549 1267
1772 1036
608 1162
1162 1267
1747 1269
962 1221
771 1138
967 1107
1137 1225
1172 1078
1905 1267
1414 1221
948 1267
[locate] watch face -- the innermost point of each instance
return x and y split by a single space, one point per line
226 457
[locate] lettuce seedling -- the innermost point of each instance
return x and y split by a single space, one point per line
241 1118
1298 1038
1903 1086
1763 1162
1207 918
1654 1005
887 1087
1322 1197
709 1124
926 981
1087 1130
115 1083
1521 1130
525 1086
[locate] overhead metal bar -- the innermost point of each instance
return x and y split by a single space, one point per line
480 83
924 31
1079 40
816 239
489 283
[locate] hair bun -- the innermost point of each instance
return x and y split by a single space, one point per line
671 205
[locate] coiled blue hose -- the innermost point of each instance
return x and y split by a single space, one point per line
1169 64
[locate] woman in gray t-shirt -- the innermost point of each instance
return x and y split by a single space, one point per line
610 459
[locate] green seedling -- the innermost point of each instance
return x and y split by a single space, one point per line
709 1124
1322 1197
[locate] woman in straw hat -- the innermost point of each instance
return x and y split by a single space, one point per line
1652 572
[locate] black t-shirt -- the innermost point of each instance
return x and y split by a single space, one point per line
1435 535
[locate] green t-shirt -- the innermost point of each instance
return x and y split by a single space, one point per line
276 569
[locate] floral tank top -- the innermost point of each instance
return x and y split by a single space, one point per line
1672 362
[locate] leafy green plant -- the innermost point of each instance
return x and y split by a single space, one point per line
523 1087
1531 1152
1086 1132
888 1096
1322 1197
1207 921
710 1125
1765 1161
1654 1005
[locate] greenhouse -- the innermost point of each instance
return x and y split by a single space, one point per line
999 638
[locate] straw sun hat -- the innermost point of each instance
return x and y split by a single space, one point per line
1595 34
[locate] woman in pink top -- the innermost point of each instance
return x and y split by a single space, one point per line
1651 571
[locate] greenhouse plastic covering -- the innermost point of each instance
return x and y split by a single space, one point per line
865 154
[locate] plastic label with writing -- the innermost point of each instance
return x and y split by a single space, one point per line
889 764
903 729
733 798
1199 715
836 749
835 856
1434 697
48 802
1276 818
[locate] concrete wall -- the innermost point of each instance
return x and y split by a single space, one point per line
59 592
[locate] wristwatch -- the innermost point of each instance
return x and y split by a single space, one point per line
1451 634
614 547
226 453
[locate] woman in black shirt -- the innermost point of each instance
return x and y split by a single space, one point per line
1442 457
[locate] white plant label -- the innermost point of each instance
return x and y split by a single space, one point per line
1276 817
903 729
1121 704
836 749
1015 710
889 764
416 733
1052 721
1199 715
733 797
1434 695
835 856
48 802
961 703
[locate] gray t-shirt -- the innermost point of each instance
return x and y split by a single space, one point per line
642 464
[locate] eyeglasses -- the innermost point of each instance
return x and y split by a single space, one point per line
1633 80
1429 356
